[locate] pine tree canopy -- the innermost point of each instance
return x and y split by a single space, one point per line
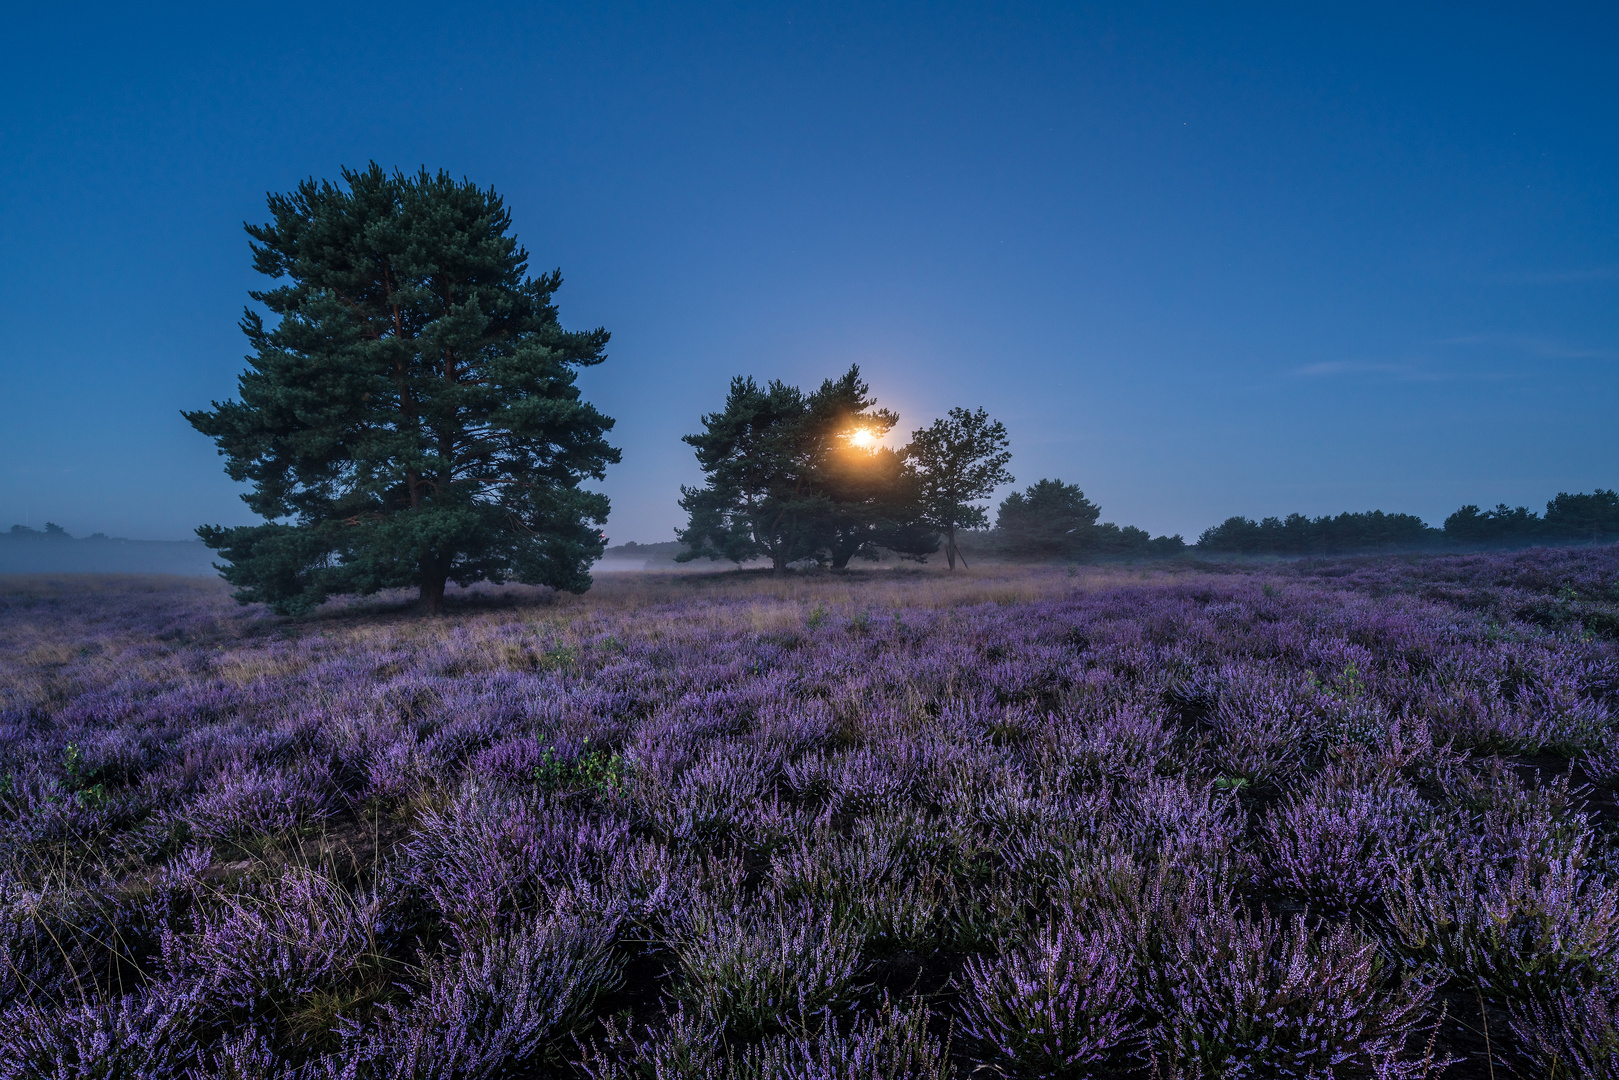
1050 520
785 481
411 417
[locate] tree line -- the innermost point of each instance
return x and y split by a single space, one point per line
1568 519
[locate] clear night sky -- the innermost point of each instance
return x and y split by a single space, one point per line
1199 264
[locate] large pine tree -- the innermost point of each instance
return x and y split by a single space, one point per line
411 417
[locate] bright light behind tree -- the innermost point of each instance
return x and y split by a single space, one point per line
863 438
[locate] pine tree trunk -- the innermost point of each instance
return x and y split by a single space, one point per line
434 575
950 547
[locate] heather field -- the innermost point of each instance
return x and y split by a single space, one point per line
1341 819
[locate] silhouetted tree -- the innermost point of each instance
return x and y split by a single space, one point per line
960 460
411 418
1054 520
786 481
1504 525
1300 535
1583 517
873 495
1049 520
760 498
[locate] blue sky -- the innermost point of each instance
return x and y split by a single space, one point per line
1199 262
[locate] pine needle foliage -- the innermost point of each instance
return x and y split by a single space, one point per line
411 417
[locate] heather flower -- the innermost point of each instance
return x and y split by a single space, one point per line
1239 996
1572 1036
1601 761
871 880
966 791
682 1047
496 1009
758 971
892 1044
1181 824
244 802
1126 742
60 943
1335 845
134 1037
1529 928
249 1055
489 854
1063 1005
712 800
1263 729
862 782
256 952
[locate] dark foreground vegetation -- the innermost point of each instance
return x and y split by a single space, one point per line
1355 819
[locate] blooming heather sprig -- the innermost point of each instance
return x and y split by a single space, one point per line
891 1044
256 953
1572 1036
496 1009
1335 845
1263 725
1531 928
1264 996
871 880
1063 1005
757 972
1601 761
134 1037
682 1047
245 802
489 855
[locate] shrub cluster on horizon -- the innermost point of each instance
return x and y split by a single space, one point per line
1322 821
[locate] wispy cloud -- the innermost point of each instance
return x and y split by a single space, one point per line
1546 348
1348 368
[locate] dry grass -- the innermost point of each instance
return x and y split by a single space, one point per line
53 632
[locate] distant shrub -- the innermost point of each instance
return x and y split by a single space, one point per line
1299 534
1583 517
